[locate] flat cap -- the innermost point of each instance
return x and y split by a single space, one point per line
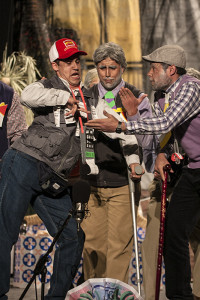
169 54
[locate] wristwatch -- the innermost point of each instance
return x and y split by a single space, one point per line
119 127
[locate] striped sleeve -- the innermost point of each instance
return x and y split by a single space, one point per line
182 108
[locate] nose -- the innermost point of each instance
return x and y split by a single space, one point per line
149 74
75 65
107 72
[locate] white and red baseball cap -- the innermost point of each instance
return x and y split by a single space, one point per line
64 48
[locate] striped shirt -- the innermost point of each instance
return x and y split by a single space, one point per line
184 106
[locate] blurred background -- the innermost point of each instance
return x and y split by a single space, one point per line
138 26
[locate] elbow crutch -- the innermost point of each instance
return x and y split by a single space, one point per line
162 230
132 196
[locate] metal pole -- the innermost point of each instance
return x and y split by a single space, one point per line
132 195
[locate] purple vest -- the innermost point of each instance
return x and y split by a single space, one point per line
188 134
6 95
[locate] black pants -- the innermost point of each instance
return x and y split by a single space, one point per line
182 215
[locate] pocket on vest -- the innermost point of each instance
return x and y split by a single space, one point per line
48 143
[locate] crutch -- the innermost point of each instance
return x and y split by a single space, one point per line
132 195
166 168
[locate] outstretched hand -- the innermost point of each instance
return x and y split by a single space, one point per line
129 101
108 124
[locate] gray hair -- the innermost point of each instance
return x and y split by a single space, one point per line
112 51
89 77
193 72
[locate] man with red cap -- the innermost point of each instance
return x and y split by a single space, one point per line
36 167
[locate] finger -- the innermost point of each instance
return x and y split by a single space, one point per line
142 98
68 114
72 101
122 92
122 89
73 111
107 114
84 110
136 178
129 93
157 174
93 123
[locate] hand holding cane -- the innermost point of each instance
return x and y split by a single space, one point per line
166 168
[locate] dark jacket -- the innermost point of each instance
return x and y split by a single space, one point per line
56 146
6 95
108 153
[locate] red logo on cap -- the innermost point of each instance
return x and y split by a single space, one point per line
69 44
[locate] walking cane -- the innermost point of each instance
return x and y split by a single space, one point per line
132 195
162 230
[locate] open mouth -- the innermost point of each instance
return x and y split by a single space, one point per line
75 75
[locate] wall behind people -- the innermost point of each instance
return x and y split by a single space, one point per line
6 15
101 21
139 26
170 22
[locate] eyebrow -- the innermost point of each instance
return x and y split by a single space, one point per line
111 66
70 60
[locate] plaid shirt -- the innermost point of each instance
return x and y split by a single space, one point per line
16 123
184 106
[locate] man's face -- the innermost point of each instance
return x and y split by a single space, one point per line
69 69
110 73
159 78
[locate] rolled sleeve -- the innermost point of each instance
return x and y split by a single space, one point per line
36 95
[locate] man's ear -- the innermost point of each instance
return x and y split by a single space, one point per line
172 70
54 66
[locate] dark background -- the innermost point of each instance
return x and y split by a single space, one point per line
28 25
